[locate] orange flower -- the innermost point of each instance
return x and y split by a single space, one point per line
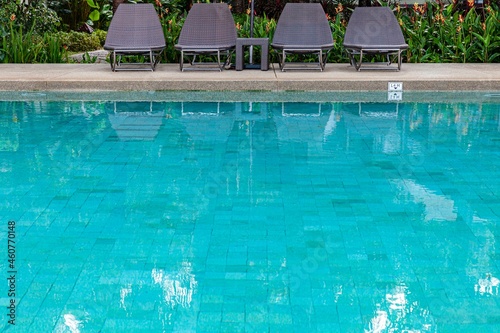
470 3
238 26
460 18
13 17
420 9
439 18
248 11
339 8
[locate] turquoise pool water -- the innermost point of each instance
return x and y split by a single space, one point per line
272 216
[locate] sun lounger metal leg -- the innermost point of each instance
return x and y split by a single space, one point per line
221 66
112 61
393 59
358 65
157 58
151 60
227 63
181 61
214 64
320 59
282 61
399 60
352 59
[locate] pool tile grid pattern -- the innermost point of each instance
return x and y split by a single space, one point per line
269 218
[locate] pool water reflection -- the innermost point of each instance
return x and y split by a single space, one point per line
252 216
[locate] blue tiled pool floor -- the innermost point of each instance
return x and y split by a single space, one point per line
251 217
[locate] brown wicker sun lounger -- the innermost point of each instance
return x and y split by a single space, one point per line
209 30
372 31
135 30
302 29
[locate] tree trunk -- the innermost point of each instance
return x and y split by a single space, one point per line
239 6
365 3
116 3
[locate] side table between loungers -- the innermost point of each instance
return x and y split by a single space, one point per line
264 53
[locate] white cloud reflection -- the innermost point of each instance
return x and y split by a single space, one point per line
379 323
70 324
178 288
487 286
396 313
436 207
124 292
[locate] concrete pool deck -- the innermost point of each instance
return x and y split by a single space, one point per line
168 77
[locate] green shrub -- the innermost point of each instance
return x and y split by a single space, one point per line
75 41
101 34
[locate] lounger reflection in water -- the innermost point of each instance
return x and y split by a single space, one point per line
300 122
374 31
135 121
210 122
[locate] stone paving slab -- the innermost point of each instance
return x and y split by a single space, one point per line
168 77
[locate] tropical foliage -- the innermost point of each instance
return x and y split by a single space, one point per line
439 33
19 46
31 15
44 31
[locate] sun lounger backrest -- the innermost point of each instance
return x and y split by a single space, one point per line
303 24
209 25
373 27
135 27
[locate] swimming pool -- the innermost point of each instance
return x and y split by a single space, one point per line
262 213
